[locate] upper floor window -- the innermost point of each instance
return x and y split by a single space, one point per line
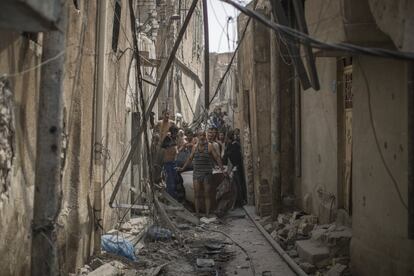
116 25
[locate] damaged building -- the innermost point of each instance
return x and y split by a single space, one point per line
100 116
337 146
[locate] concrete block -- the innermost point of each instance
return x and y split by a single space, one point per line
311 252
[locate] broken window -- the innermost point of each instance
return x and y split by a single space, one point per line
6 138
116 25
31 36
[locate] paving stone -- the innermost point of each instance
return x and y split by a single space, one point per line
311 252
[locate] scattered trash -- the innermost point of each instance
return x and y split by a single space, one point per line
157 233
115 244
208 220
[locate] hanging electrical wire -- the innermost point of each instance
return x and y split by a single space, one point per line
220 83
315 43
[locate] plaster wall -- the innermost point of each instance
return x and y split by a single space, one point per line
379 244
319 141
396 19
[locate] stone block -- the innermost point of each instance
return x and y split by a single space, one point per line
311 251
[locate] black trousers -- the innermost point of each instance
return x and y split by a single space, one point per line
241 186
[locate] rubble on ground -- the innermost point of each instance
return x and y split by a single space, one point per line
317 249
174 242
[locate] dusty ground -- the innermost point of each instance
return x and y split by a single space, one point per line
219 241
264 257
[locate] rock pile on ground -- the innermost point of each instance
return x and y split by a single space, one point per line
317 249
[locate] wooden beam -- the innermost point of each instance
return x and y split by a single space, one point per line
310 59
293 49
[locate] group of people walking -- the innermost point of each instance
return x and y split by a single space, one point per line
200 151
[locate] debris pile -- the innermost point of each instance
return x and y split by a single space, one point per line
317 249
174 242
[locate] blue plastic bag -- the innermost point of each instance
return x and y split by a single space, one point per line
115 244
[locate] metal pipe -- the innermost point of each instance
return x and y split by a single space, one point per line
275 90
153 100
98 132
410 149
206 58
48 184
288 260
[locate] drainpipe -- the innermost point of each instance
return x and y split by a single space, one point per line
98 135
48 183
410 149
206 58
275 125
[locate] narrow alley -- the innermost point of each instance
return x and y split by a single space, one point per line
206 137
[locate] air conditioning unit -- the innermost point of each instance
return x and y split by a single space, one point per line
29 15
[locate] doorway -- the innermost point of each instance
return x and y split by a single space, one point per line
345 104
